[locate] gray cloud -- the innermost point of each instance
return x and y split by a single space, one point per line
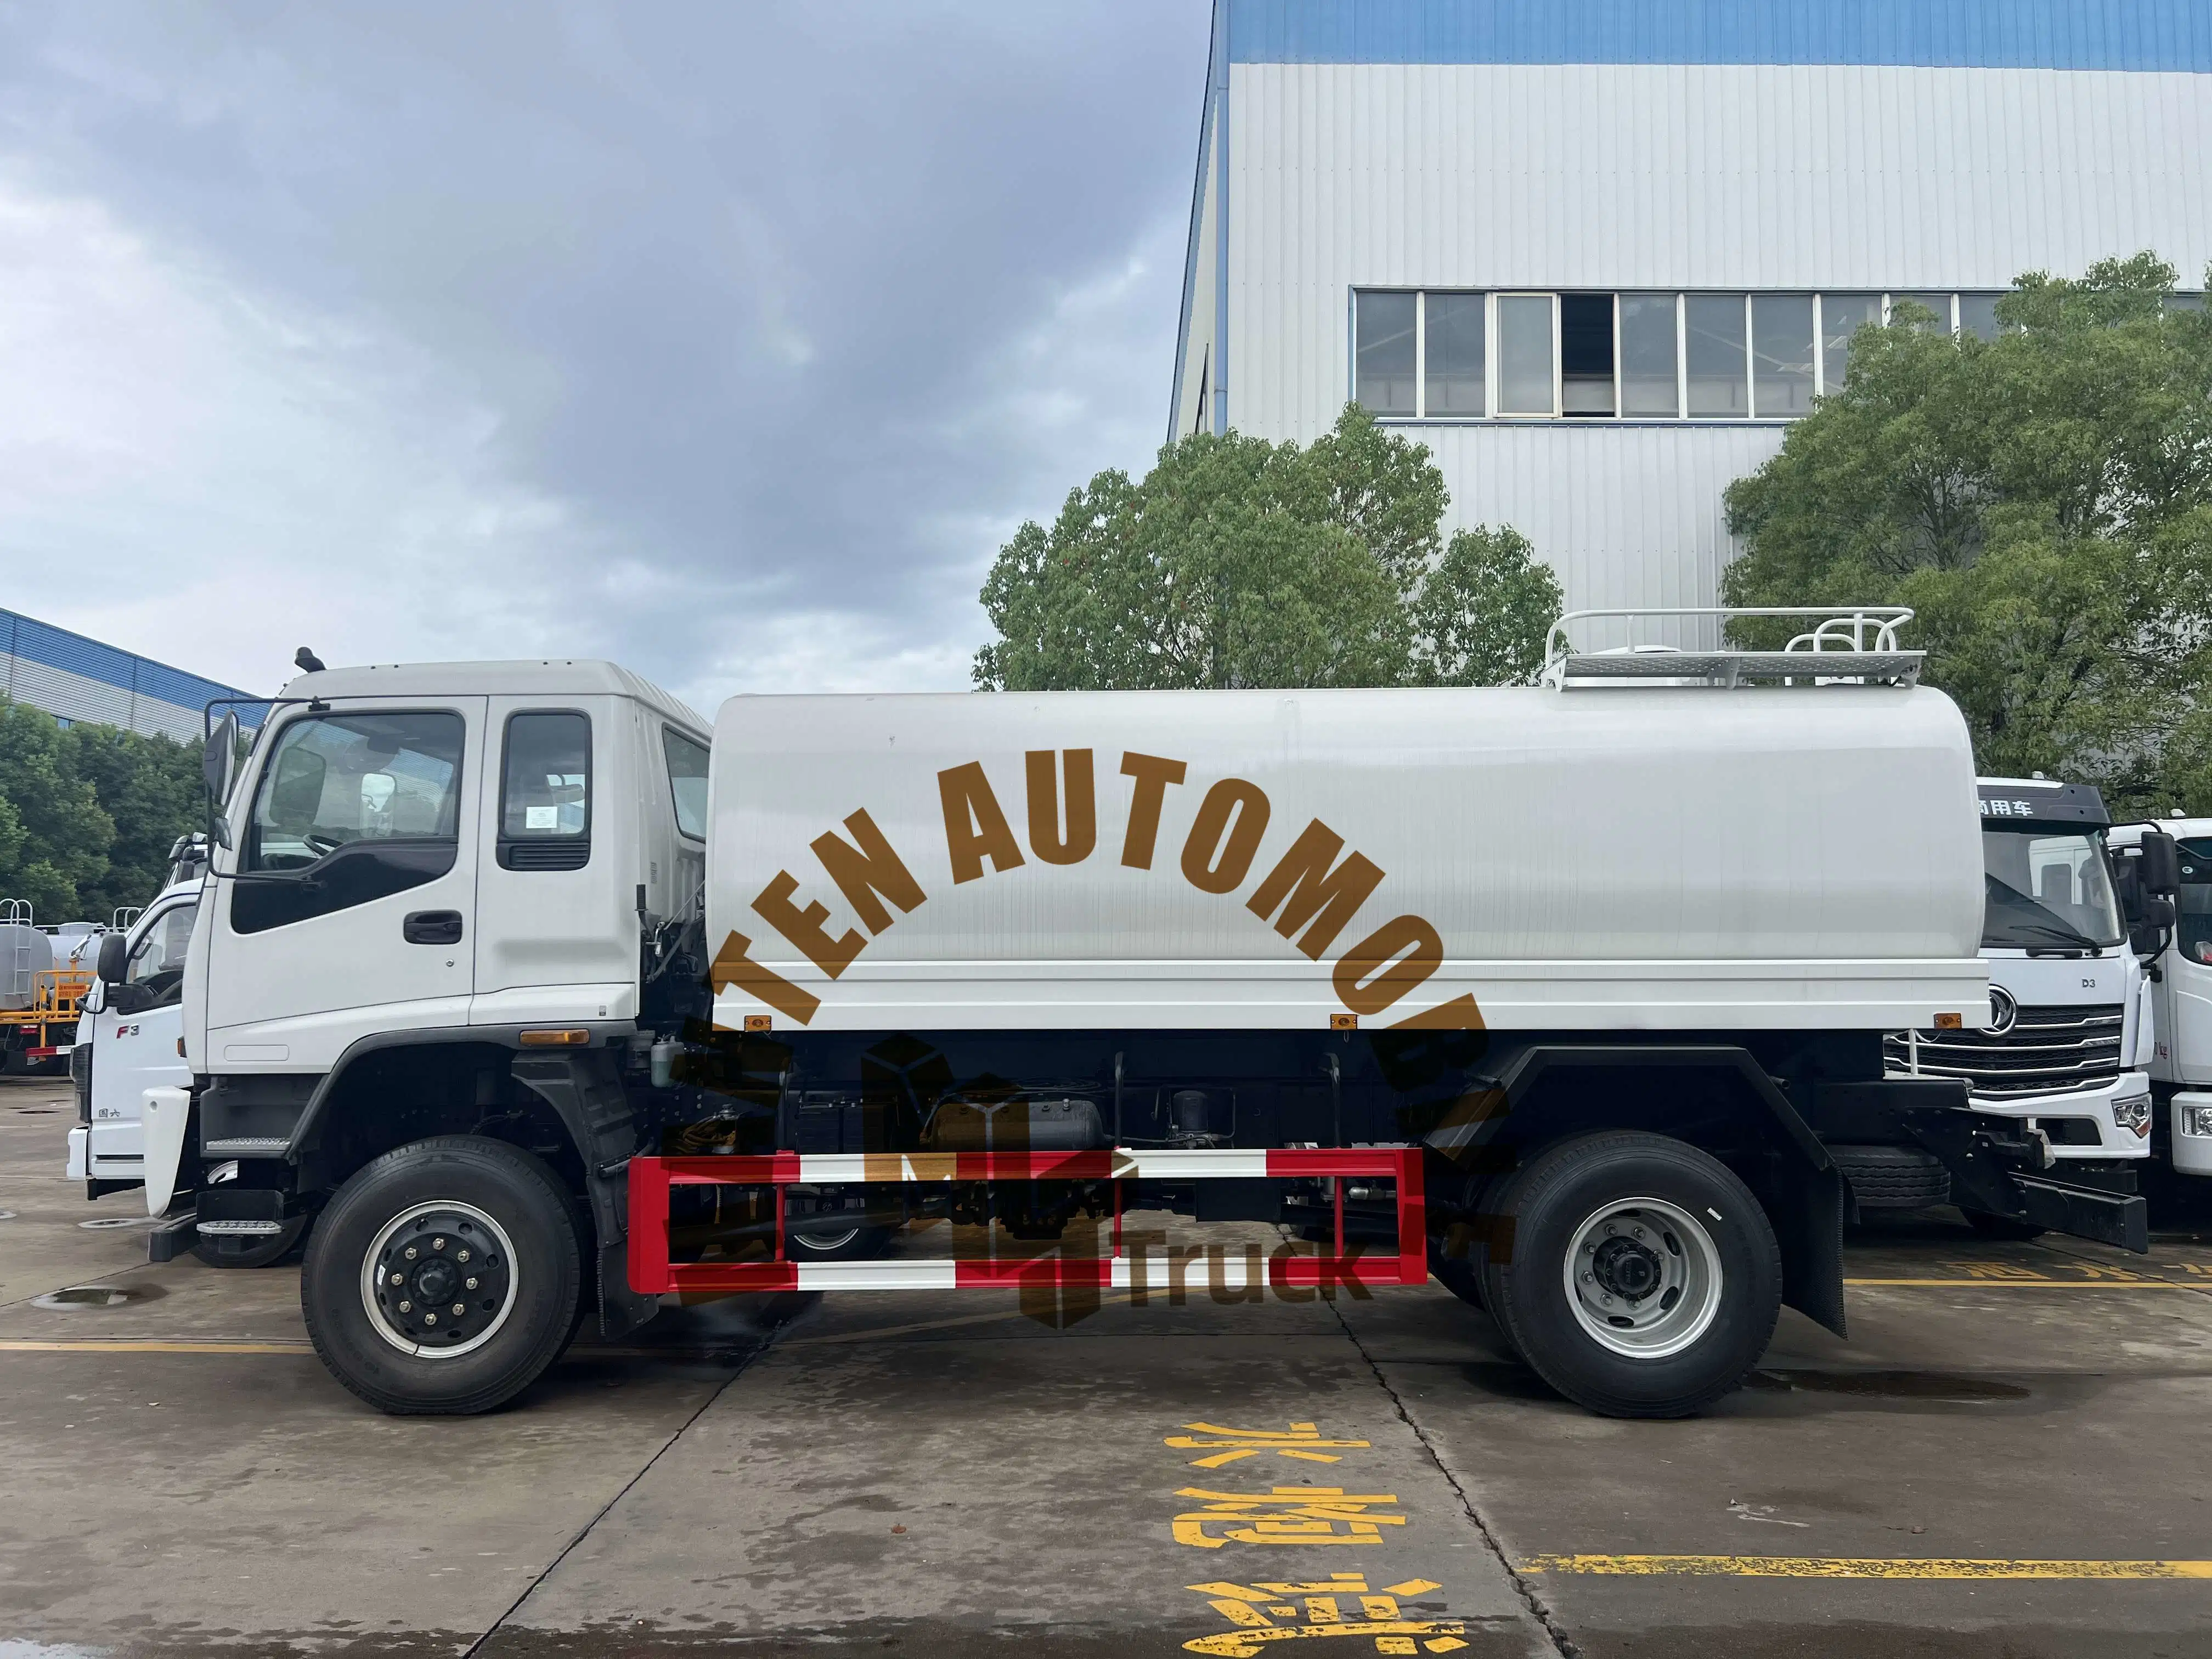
729 341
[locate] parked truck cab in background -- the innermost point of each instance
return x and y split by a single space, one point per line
2064 1060
2181 1064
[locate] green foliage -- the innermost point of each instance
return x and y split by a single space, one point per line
2043 502
89 813
1239 562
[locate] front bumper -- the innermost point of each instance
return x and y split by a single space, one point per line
78 1137
2192 1154
2130 1092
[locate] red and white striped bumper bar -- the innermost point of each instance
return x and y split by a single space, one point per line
652 1273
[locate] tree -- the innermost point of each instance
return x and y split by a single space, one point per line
89 813
65 835
1239 562
2044 501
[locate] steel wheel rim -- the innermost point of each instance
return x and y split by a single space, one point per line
381 1299
1643 1277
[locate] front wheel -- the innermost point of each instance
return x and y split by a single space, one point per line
1643 1280
444 1277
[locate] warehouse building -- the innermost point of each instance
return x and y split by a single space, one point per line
75 678
1597 256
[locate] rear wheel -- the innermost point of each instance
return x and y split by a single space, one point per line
1643 1280
443 1277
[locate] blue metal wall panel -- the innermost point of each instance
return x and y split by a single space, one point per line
2064 34
81 679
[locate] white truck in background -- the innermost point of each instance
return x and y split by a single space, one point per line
131 1039
2181 1063
2064 1061
1578 989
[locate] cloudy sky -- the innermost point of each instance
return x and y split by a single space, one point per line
728 341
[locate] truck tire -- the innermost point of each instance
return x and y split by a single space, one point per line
1894 1177
1645 1279
458 1220
227 1252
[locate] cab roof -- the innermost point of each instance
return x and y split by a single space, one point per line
552 677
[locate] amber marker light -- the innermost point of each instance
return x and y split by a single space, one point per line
573 1037
1950 1022
759 1023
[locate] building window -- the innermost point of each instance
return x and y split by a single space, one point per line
1586 379
1781 377
1650 383
1453 332
1527 379
1387 350
1843 315
1444 356
1713 331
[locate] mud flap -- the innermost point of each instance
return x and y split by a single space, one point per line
585 1091
1808 1225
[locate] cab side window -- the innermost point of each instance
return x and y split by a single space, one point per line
2192 932
156 966
361 805
546 792
687 782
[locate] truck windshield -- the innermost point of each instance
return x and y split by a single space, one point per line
2193 929
2047 891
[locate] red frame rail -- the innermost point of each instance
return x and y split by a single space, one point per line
652 1180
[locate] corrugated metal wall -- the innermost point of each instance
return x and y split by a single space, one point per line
80 679
1616 176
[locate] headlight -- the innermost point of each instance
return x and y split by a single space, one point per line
2134 1113
2195 1120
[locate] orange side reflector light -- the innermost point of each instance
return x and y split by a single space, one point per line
1344 1022
1950 1022
760 1023
572 1038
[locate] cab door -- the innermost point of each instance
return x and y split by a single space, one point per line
135 1037
2184 997
556 888
353 908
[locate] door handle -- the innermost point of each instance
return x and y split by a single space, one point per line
432 927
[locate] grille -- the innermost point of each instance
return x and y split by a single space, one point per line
2049 1051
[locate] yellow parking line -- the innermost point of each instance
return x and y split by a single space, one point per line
2026 1284
126 1345
1848 1566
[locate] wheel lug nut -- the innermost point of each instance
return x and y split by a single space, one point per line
461 1255
458 1311
472 1284
437 1244
411 1252
399 1278
407 1307
429 1319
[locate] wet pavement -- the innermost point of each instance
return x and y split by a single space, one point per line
2009 1456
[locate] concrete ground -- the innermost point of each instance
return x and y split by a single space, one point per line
941 1475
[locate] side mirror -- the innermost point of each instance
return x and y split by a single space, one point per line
2160 862
219 761
114 959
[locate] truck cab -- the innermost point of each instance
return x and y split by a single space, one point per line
130 1040
2181 1060
2064 1060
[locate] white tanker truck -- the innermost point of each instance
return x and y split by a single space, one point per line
1569 990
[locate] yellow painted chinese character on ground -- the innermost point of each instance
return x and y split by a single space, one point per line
1301 1440
1995 1270
1319 1609
1287 1515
